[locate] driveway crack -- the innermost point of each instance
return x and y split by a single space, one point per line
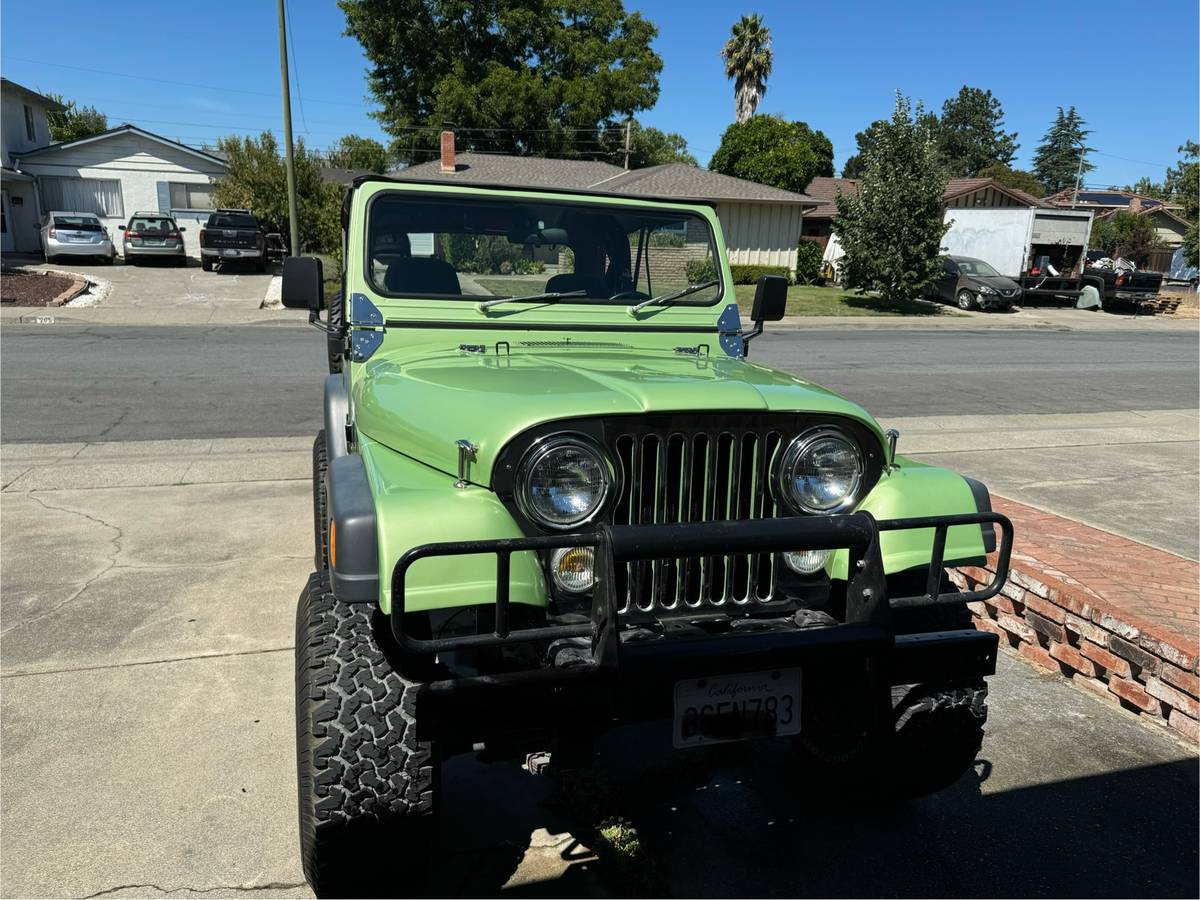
111 563
245 888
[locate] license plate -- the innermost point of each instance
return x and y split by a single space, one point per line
154 243
736 707
229 252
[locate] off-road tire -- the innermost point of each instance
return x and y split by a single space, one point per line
320 503
965 300
367 787
206 264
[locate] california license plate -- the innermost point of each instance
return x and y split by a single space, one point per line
736 707
231 252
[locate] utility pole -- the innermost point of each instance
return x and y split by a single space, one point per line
1078 175
293 222
628 129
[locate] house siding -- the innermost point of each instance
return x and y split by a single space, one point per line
13 138
761 234
140 164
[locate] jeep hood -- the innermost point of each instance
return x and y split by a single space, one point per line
420 406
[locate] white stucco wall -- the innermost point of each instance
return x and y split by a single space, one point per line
13 136
763 234
141 165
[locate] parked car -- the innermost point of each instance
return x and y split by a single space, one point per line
971 283
1123 283
233 234
75 234
153 235
542 515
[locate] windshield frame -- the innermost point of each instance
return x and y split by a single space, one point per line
585 200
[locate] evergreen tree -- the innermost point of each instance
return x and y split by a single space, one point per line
970 133
1057 160
892 229
517 78
74 122
1014 178
774 151
748 60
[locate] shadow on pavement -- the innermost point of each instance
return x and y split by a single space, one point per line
758 826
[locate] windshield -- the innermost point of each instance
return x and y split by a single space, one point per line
232 220
975 267
472 249
77 223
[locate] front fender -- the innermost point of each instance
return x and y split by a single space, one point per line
416 504
916 489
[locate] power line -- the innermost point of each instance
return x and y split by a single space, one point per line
296 68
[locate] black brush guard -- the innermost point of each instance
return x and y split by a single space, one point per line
633 679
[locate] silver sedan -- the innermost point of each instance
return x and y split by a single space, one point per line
76 234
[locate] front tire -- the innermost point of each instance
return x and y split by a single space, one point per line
367 787
966 300
206 264
320 503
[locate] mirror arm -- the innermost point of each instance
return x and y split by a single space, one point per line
749 336
314 319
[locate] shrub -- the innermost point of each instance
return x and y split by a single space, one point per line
701 270
751 274
808 261
529 266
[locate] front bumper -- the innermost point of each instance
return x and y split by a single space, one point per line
617 673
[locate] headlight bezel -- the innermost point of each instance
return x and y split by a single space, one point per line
795 450
537 452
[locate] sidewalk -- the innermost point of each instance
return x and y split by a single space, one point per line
1116 617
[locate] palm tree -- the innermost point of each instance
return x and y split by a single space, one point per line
748 59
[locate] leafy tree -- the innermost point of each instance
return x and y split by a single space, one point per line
892 228
1125 234
1057 160
1147 188
514 77
1183 181
354 152
748 60
971 134
647 146
866 140
809 254
773 151
75 122
1014 178
256 179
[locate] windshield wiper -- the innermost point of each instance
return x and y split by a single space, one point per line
669 298
529 298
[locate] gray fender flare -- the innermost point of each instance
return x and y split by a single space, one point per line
337 411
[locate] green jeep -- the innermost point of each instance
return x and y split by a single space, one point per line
553 496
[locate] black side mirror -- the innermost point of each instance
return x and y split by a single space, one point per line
770 301
303 285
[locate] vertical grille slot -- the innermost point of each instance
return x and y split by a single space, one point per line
677 476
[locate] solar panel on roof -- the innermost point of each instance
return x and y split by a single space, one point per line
1106 197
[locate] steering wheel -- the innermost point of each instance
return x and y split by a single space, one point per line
630 295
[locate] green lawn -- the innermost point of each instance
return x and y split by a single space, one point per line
515 287
804 300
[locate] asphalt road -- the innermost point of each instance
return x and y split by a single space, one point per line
115 383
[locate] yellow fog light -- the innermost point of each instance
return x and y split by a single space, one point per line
574 569
806 562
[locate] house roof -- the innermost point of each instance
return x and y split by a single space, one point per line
827 189
1110 199
1164 210
8 84
344 177
114 132
676 180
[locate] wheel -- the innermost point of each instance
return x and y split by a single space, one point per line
260 264
966 300
130 260
335 337
108 260
934 732
206 263
367 788
320 505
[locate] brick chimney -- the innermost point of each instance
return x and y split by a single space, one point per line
448 152
1135 205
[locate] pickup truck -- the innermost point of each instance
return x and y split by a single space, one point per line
1123 285
233 234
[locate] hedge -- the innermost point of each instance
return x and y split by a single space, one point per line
751 274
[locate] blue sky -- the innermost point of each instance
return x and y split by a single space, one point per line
836 67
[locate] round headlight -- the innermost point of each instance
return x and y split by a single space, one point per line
821 472
563 482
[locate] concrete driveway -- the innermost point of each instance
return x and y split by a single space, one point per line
158 292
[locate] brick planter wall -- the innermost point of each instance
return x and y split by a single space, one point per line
1100 647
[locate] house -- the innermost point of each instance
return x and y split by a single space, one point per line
121 171
1168 222
960 193
761 224
23 127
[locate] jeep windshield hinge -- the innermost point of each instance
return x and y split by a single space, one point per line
367 328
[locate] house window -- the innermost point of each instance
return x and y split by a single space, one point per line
99 196
30 131
191 196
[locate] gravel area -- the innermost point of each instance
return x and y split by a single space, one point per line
22 288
